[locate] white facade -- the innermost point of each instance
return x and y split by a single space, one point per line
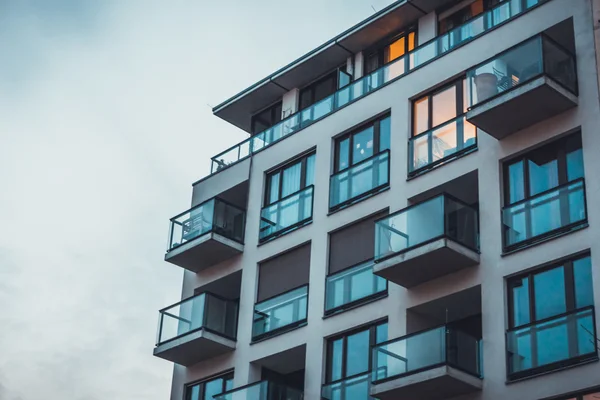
493 267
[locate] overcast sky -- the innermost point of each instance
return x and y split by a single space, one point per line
105 120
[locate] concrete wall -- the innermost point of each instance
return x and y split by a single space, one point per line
490 274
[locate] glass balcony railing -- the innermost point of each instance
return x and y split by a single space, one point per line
441 143
425 350
551 343
544 214
214 215
351 286
356 387
359 180
264 390
284 311
531 59
205 311
288 213
436 218
420 56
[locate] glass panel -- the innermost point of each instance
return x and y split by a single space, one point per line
343 154
542 176
506 71
382 333
310 171
394 50
575 165
421 115
357 353
423 222
441 143
212 216
337 354
426 349
516 182
520 300
362 145
359 179
291 179
551 341
262 391
560 65
356 388
584 288
286 213
444 106
544 213
280 311
352 284
549 292
274 188
200 311
213 388
193 393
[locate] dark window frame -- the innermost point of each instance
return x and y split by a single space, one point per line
226 376
567 264
378 50
459 84
310 89
486 6
372 328
302 159
276 111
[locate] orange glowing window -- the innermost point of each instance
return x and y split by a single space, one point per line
395 50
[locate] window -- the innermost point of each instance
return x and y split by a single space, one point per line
361 162
266 118
288 197
394 49
544 192
464 14
349 361
551 318
324 87
440 129
207 389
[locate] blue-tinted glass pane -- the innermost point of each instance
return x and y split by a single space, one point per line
542 176
343 154
274 188
291 179
552 341
382 333
358 353
213 388
310 170
384 133
549 288
520 295
582 272
516 182
575 164
336 359
363 145
193 393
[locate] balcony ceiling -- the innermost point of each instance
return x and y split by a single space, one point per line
239 108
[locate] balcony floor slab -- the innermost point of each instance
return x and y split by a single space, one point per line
204 251
194 347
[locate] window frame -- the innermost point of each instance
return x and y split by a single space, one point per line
372 329
226 376
277 117
459 84
310 88
303 161
378 50
571 308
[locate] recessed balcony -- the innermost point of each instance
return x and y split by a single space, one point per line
197 329
435 364
263 390
426 241
205 235
522 86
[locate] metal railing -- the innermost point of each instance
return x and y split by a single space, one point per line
214 215
205 311
422 223
420 56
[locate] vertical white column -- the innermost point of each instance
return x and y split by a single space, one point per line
427 29
290 103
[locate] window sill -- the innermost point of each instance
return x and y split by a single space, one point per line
533 375
280 331
285 232
545 239
355 304
441 163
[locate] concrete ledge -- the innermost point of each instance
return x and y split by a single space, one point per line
204 251
194 347
435 384
425 263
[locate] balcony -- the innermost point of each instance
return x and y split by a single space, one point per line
287 214
356 387
197 329
545 215
206 235
522 86
264 390
432 365
441 144
420 56
553 343
352 286
360 180
426 241
280 313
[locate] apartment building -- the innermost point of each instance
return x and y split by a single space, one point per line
414 215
